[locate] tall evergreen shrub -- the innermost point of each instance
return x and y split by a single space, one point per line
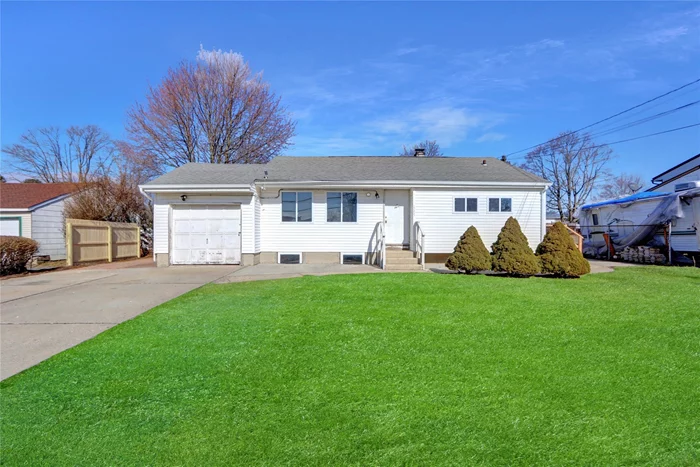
558 254
470 254
511 252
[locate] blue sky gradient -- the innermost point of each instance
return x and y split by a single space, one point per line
365 78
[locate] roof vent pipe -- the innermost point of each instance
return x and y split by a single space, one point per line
483 162
419 152
503 158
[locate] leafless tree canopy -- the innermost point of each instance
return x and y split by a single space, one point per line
620 186
50 155
574 165
214 110
115 196
432 149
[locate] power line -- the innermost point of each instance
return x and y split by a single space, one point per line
631 139
644 120
608 118
646 136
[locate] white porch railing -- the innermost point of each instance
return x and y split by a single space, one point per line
419 237
380 245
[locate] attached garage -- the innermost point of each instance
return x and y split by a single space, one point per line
206 234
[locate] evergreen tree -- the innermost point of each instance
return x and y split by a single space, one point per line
511 252
470 254
559 256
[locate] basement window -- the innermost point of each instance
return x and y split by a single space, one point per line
353 259
290 258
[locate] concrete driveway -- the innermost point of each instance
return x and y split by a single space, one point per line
44 314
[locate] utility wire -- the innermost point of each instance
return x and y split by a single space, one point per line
646 136
644 120
609 118
630 139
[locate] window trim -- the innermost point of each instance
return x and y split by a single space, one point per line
500 203
296 207
342 257
279 256
466 204
357 210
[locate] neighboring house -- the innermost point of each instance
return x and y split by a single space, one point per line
640 219
338 209
35 210
686 171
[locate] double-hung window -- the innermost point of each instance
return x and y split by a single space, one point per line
341 206
500 204
296 206
465 205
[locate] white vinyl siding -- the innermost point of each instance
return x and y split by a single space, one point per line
162 216
48 229
670 186
26 221
434 209
319 235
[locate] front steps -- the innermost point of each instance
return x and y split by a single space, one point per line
400 260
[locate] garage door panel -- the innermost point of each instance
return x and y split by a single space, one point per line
206 235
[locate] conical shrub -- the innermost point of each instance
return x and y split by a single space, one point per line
558 254
512 254
470 254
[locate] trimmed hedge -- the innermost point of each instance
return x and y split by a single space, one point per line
558 254
15 253
511 252
470 254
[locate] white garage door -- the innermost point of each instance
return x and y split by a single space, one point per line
9 226
206 235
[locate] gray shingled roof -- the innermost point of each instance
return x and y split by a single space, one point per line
351 168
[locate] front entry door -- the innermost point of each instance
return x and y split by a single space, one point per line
396 212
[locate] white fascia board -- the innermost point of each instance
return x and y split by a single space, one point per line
388 184
196 188
50 201
25 210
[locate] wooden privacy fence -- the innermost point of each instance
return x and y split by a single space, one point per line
101 241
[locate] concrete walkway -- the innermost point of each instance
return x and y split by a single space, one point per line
44 314
263 272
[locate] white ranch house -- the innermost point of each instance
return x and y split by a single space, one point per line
338 209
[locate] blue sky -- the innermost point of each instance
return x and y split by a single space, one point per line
365 78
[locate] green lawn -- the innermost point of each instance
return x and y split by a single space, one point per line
379 369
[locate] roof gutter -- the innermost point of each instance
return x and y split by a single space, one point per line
199 188
401 184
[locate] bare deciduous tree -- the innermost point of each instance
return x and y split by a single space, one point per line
431 147
51 156
620 186
115 196
574 165
214 110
